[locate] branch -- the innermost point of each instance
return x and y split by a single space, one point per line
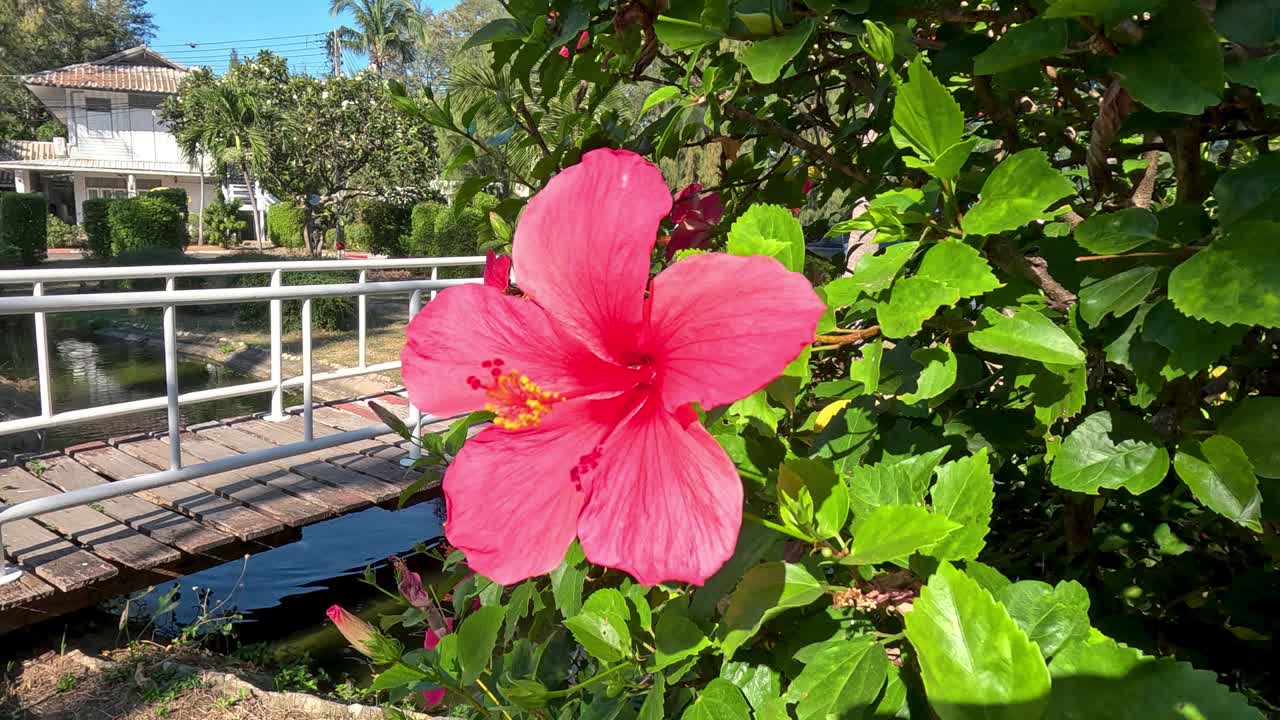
1112 110
1147 185
997 112
1034 268
1187 166
530 126
794 138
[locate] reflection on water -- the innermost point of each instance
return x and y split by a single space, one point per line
93 371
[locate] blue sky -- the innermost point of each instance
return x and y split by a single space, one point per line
293 28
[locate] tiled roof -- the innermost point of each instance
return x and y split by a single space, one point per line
151 167
122 72
30 150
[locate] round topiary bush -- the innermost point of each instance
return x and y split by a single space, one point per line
285 221
145 221
388 225
422 232
97 228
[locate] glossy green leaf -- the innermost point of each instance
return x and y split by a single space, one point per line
765 591
876 272
894 532
1236 280
1051 616
1023 44
892 482
760 684
964 493
659 96
913 300
608 600
925 116
960 267
655 700
937 374
397 676
1261 73
947 166
1255 425
677 637
1100 678
1117 232
719 700
567 580
1019 191
1193 345
495 31
1117 295
1178 66
1167 542
827 493
1248 193
847 437
1249 22
602 634
679 34
866 369
768 230
842 680
477 637
1220 476
1095 455
977 664
765 59
1027 334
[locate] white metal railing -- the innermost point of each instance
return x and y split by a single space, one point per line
40 303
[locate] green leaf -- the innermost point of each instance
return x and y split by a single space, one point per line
1019 191
964 493
913 300
760 683
1249 22
866 369
659 96
1117 232
925 116
476 639
1096 456
1220 476
1051 616
397 676
960 267
465 154
1261 73
827 494
1193 345
682 35
1027 334
1100 678
1117 295
1167 542
495 31
1023 44
756 405
1249 193
1255 425
677 637
988 577
468 189
975 661
894 532
1178 65
876 272
892 482
847 437
567 580
766 590
1057 391
654 701
608 601
842 680
768 230
602 634
1236 280
937 376
949 163
391 420
719 700
766 58
877 41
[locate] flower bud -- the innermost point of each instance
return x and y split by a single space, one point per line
364 637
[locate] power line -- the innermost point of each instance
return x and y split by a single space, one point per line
244 41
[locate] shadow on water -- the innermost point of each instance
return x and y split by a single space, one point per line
92 371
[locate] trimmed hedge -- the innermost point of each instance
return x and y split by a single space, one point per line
331 313
285 221
359 236
146 221
462 232
388 225
23 228
62 235
422 232
97 227
176 197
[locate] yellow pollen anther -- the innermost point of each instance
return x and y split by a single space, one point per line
518 402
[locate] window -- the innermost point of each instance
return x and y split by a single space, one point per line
145 102
92 104
141 184
97 117
106 187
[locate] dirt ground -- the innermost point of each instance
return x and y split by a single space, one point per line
150 683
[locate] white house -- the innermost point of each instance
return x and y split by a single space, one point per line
116 144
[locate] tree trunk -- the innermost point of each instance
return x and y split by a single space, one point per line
311 236
253 203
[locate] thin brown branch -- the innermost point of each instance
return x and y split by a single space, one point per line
531 126
1034 268
1180 252
1113 108
1188 166
794 138
1147 185
847 337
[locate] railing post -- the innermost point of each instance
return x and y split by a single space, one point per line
307 429
277 349
415 416
8 572
42 357
364 276
435 275
171 378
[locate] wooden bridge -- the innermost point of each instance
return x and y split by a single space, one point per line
78 556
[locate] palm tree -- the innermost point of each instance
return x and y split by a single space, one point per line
382 30
225 123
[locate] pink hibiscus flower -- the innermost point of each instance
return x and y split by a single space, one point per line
434 697
592 382
497 270
696 215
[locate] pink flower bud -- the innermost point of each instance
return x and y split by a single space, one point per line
564 52
432 698
432 638
583 39
497 271
357 632
808 186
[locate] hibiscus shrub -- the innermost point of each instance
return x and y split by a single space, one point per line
1007 448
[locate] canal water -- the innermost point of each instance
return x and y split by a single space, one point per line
276 594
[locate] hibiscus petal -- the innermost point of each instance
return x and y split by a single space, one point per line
583 243
468 325
665 501
512 502
721 327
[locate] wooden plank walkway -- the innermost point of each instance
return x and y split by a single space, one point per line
76 557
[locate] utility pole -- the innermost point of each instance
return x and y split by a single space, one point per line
335 53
